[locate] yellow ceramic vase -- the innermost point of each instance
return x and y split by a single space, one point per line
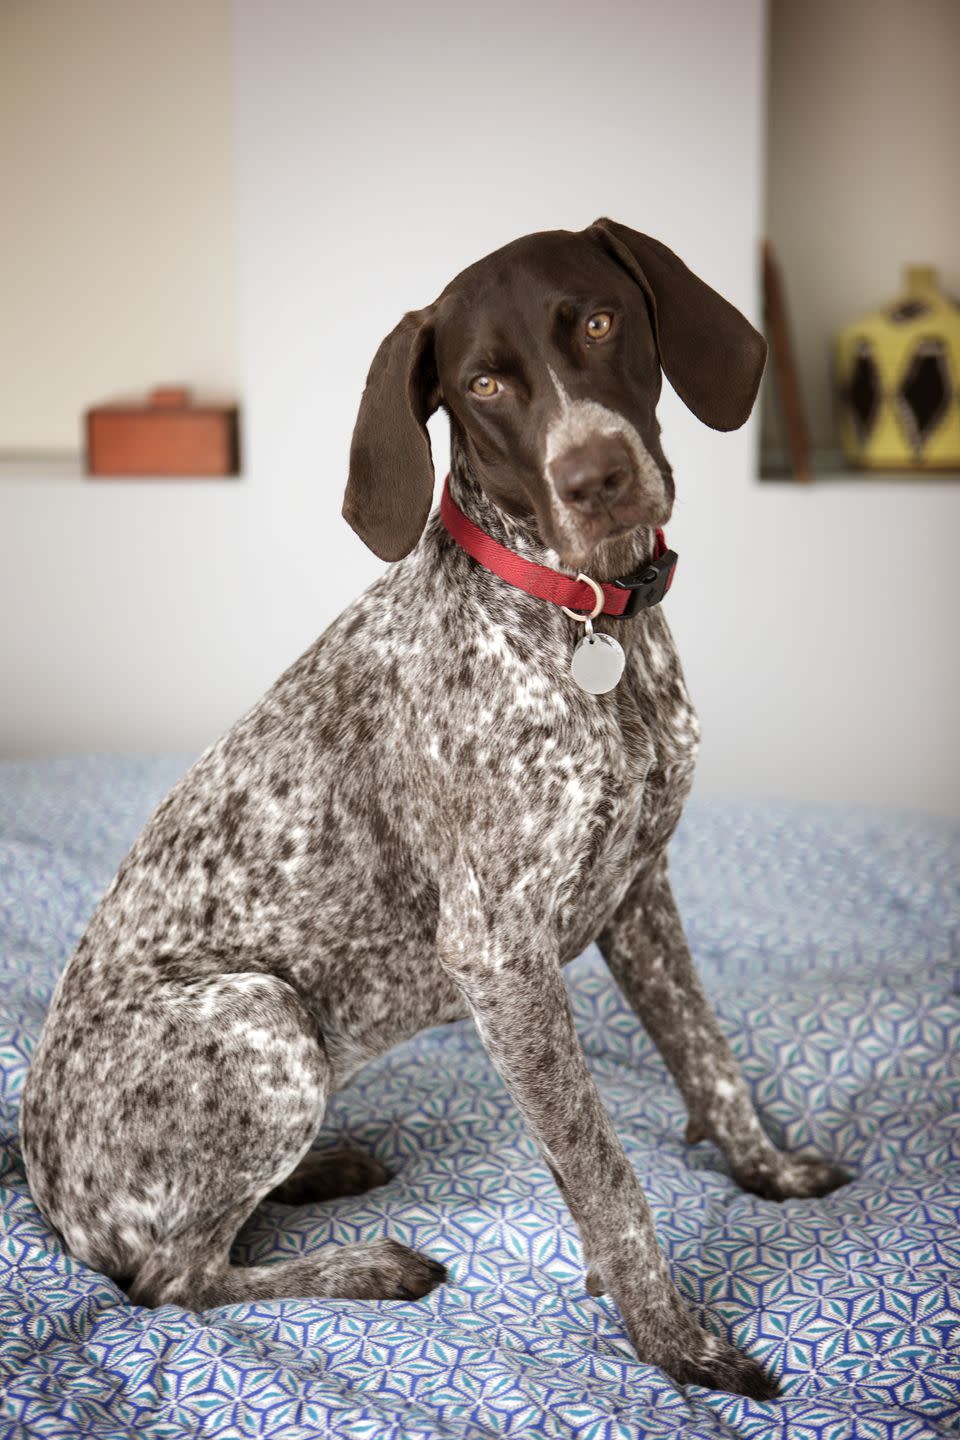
898 379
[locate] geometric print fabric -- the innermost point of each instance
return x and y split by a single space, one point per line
829 942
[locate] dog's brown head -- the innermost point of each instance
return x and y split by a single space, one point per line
547 357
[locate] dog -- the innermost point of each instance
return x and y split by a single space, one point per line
425 819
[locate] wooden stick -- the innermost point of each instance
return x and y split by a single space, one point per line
787 385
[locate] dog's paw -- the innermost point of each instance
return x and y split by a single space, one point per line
410 1274
691 1356
327 1174
418 1277
665 1334
386 1270
719 1366
802 1176
594 1282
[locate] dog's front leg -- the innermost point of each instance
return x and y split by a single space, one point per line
646 950
499 951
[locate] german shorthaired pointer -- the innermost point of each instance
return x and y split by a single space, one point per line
426 818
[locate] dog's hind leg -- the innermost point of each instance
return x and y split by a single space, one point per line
208 1093
195 1271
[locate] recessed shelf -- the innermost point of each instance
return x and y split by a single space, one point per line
829 466
37 468
861 186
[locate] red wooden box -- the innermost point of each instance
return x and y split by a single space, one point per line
169 435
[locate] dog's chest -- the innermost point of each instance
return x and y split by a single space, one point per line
562 799
584 789
636 776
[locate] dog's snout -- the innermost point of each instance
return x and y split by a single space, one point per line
598 470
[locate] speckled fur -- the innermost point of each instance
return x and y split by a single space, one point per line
425 818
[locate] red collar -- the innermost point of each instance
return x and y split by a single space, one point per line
646 587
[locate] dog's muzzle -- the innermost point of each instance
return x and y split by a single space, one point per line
594 476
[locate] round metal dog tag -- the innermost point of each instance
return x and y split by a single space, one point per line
597 663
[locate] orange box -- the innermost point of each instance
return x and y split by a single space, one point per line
168 436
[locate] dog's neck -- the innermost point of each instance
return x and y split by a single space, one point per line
612 559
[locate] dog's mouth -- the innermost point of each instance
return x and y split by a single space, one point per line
608 545
627 527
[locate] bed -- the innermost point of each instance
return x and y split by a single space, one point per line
828 940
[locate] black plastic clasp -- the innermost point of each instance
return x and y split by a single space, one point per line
649 584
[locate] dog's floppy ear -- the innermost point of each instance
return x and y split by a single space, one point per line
712 355
390 487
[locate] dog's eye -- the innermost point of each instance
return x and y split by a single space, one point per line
599 325
485 386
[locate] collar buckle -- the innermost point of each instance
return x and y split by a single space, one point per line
649 584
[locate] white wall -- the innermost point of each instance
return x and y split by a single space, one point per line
379 150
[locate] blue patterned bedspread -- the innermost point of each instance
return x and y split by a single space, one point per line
829 942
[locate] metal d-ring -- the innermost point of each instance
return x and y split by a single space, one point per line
579 615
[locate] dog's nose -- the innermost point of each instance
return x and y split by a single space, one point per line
598 471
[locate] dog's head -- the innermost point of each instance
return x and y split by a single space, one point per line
547 356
